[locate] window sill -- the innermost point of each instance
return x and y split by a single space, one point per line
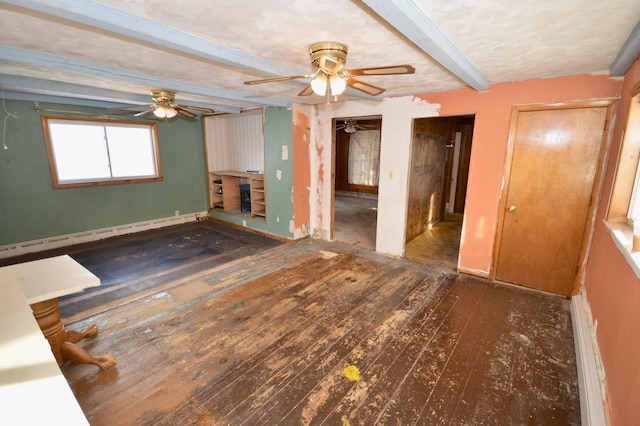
622 236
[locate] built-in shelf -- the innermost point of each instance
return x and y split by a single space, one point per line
225 194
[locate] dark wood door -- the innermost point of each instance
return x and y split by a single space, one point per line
426 175
554 162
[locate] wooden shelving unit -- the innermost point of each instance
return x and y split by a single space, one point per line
216 200
224 193
258 200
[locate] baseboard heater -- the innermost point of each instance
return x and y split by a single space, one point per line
25 247
592 407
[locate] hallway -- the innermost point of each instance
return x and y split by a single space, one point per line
355 221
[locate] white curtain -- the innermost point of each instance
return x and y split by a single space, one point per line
364 157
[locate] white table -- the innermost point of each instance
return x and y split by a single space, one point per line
33 390
42 282
50 278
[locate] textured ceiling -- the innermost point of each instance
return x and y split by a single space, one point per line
116 51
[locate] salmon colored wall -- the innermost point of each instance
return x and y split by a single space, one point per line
613 294
490 136
301 172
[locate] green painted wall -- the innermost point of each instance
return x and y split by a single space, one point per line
278 171
31 209
278 174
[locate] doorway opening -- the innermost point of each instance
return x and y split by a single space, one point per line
356 170
438 174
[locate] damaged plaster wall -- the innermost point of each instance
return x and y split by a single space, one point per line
395 150
300 226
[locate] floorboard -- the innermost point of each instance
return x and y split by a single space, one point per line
130 266
265 340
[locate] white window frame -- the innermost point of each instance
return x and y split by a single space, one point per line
153 147
633 214
623 213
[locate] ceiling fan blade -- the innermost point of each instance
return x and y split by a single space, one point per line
129 107
367 88
143 112
207 110
274 79
306 91
388 70
184 112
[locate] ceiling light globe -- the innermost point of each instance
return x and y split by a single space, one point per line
159 112
319 85
170 112
338 85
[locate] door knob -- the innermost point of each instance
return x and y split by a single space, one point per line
511 208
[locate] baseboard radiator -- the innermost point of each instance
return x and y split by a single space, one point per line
592 405
25 247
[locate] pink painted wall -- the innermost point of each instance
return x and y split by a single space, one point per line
493 114
613 293
301 170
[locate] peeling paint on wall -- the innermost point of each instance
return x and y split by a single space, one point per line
397 121
301 170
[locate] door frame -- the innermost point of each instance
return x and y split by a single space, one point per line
334 147
598 181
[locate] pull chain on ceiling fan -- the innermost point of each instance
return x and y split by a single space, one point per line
331 78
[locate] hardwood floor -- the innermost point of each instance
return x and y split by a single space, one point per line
439 245
266 340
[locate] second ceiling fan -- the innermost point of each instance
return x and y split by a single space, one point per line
164 106
331 77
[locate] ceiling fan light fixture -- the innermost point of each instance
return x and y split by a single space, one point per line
164 111
319 85
350 128
338 85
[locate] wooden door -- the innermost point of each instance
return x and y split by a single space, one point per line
426 175
554 163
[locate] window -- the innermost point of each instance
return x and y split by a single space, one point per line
623 216
89 152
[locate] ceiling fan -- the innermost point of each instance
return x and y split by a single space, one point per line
164 106
330 58
351 126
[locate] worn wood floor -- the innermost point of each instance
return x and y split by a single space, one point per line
355 221
439 245
266 340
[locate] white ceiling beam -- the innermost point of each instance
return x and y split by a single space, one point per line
81 93
45 60
407 17
39 98
98 15
628 54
